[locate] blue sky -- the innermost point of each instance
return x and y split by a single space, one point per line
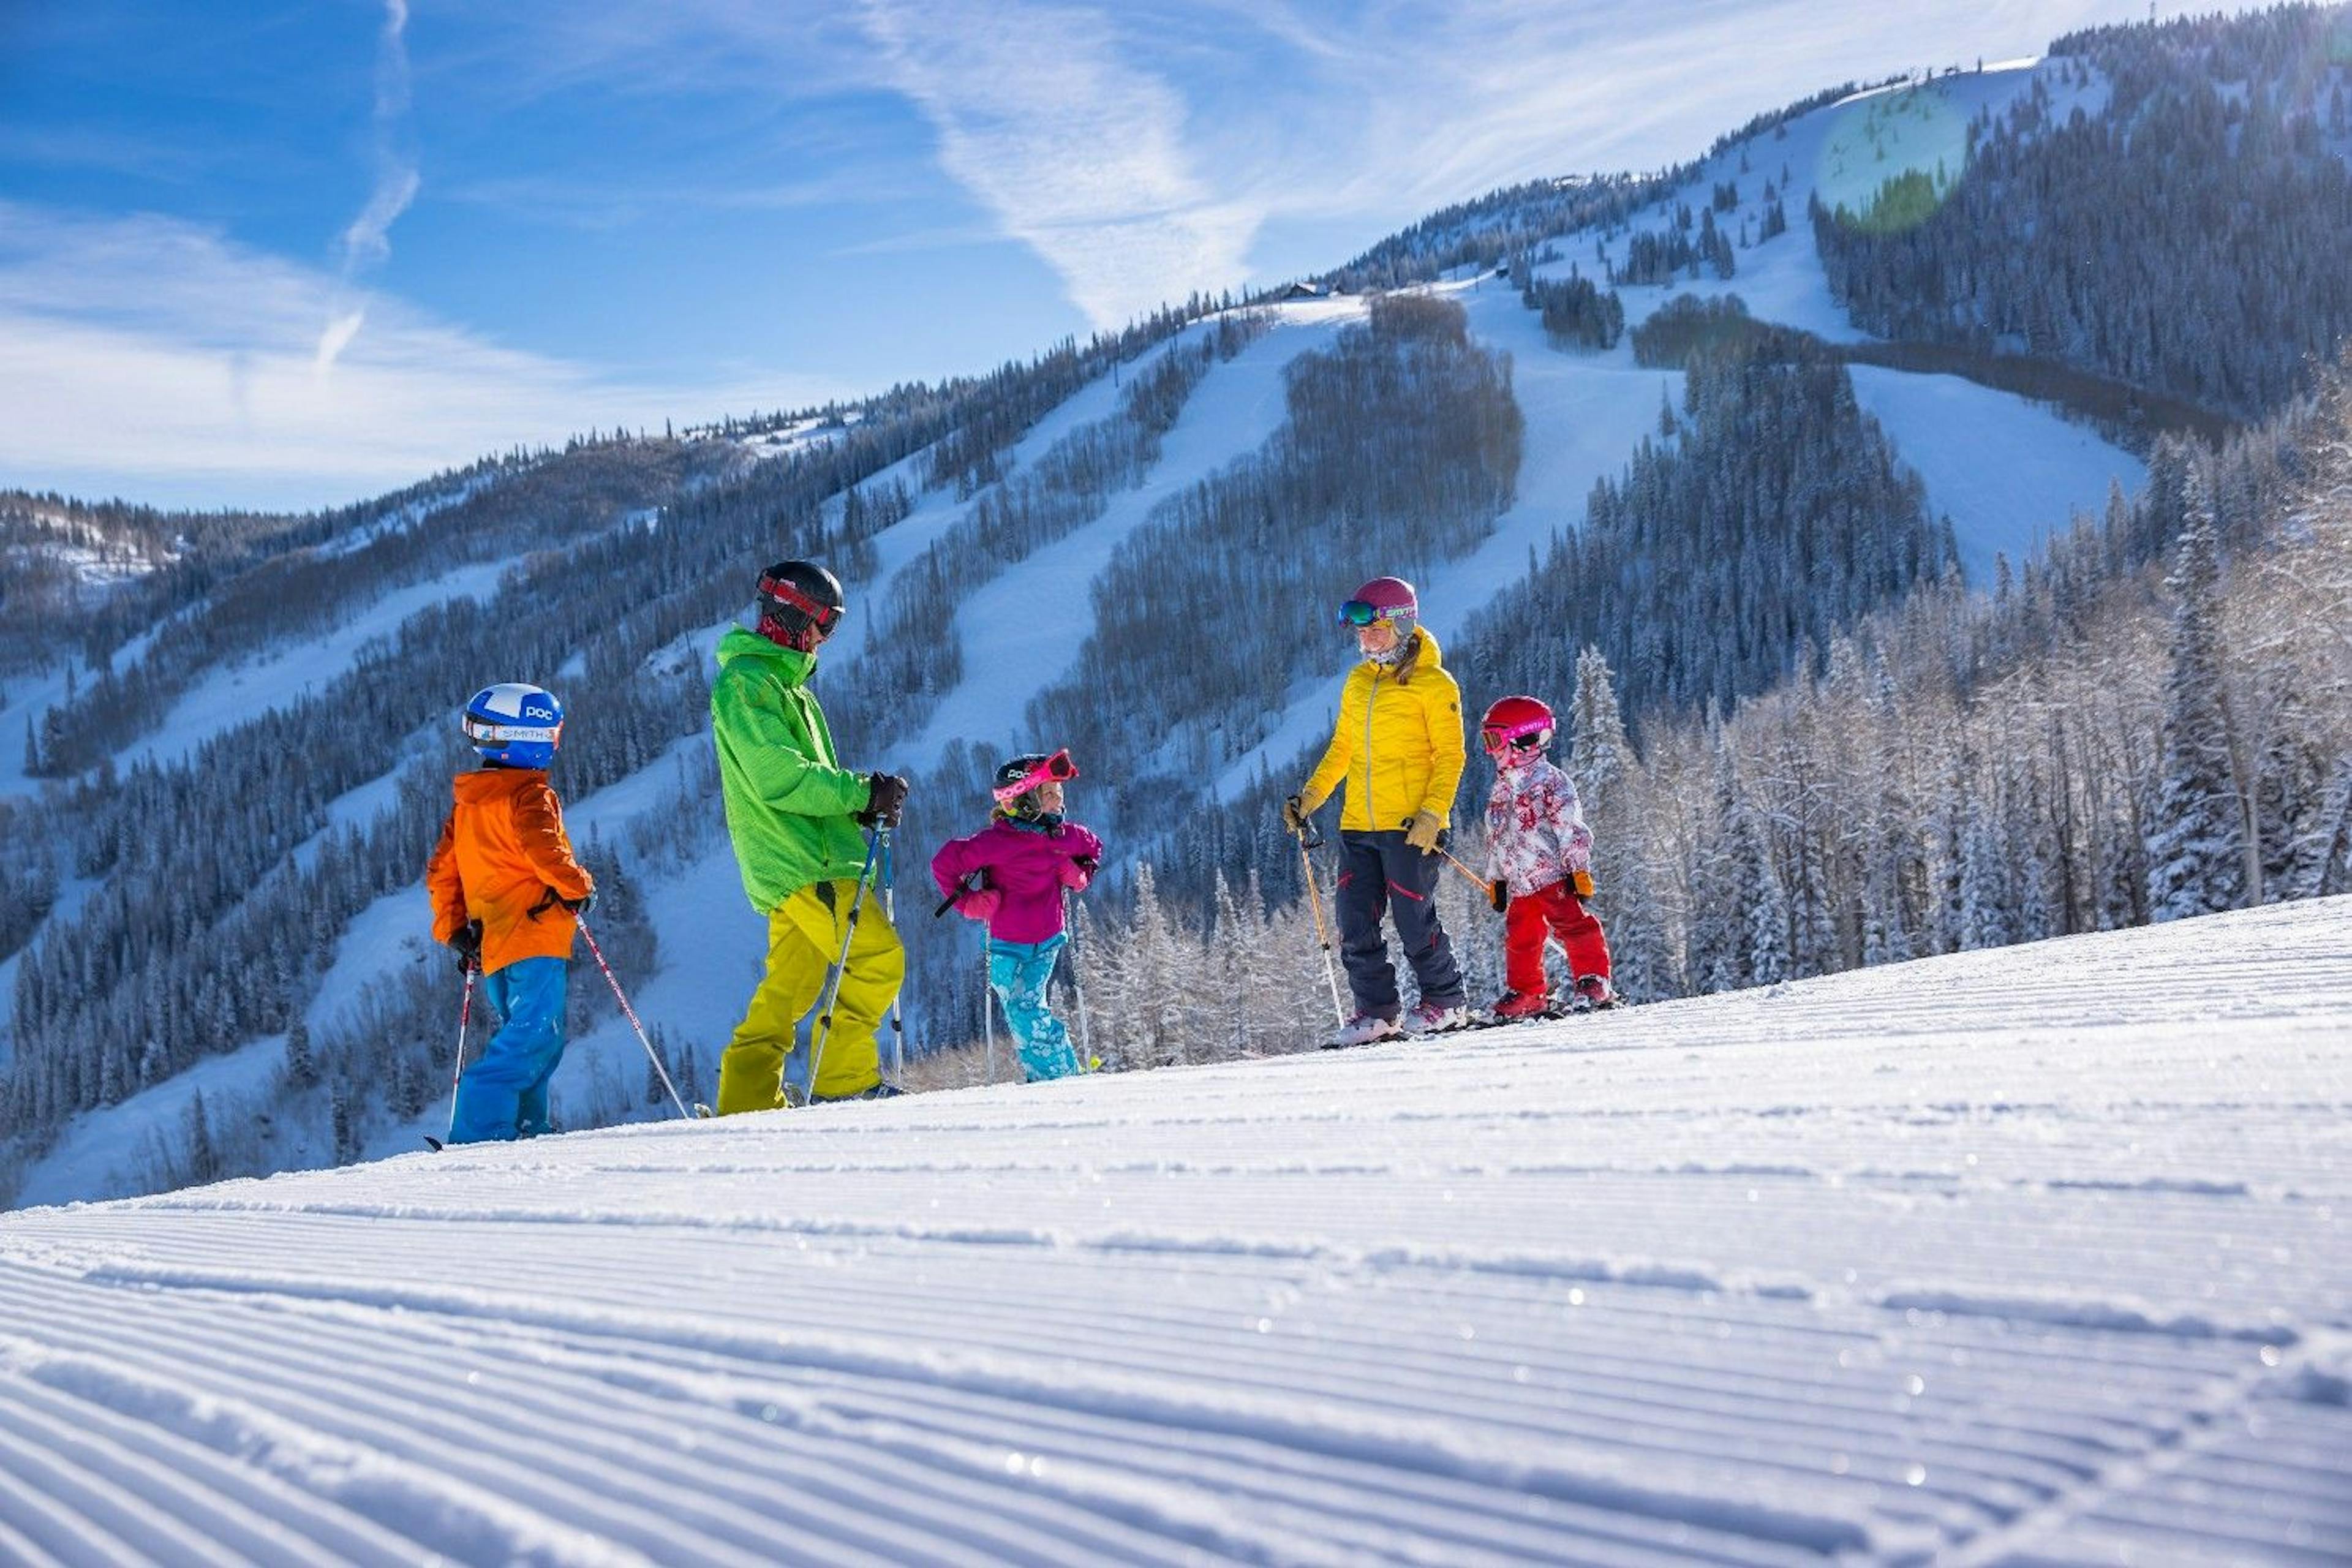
297 253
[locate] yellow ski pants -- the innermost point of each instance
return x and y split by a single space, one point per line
804 936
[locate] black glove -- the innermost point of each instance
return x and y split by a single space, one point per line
581 905
885 798
467 943
1500 895
1089 864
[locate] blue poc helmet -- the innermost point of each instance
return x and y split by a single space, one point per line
515 725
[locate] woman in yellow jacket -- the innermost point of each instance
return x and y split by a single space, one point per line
1398 747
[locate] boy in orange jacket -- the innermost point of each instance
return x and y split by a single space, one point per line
505 895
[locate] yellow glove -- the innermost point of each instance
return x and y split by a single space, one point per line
1298 808
1582 882
1422 830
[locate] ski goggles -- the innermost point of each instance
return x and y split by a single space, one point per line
1055 769
826 617
482 733
1527 735
1363 612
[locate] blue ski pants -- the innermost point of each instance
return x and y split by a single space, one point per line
503 1095
1017 972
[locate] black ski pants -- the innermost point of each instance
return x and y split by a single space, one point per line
1381 874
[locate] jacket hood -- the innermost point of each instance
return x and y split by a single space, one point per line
739 647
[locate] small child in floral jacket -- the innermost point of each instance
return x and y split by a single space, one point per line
1540 855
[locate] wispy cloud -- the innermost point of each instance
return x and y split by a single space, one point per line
153 358
1143 148
1081 156
367 241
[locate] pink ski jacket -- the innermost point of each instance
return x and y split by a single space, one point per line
1026 867
1536 833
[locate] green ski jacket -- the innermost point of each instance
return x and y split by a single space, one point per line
788 802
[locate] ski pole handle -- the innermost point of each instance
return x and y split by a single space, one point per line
962 887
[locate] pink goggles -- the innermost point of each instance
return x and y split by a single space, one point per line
1524 736
1055 769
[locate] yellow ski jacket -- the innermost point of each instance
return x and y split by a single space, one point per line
1398 744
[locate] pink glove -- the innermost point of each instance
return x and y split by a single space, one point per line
980 904
1076 874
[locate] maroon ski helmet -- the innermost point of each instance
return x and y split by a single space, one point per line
1390 599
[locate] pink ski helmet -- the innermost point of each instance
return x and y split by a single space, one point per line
1390 599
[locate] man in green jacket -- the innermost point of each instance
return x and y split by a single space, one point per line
798 821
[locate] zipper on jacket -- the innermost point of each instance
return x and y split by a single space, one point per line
1371 695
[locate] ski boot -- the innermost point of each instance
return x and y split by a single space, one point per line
1594 993
1363 1030
1429 1019
884 1090
1517 1004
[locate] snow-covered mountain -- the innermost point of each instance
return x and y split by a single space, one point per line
228 777
2026 1257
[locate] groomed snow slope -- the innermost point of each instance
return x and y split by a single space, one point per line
2024 1256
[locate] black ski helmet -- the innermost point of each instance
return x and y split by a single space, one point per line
798 598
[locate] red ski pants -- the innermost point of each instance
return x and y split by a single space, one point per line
1554 911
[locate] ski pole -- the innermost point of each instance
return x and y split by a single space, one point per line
1079 989
988 1007
1476 881
630 1013
832 981
465 1016
962 887
1322 934
890 913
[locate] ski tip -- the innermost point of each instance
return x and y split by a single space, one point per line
433 1143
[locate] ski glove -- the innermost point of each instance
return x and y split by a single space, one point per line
1422 830
1498 893
1076 872
466 942
980 904
581 905
1582 882
885 798
1293 815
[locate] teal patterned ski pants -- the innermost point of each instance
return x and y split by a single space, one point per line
1017 972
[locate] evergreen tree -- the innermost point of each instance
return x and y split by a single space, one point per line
301 1070
2195 845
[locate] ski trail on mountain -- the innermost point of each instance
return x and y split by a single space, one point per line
1022 629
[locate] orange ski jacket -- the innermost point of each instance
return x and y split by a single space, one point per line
502 849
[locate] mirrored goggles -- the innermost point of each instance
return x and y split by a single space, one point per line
1055 769
1360 612
1524 737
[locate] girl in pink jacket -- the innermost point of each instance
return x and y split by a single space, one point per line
1011 874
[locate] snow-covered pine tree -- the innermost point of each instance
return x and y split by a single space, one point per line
2196 843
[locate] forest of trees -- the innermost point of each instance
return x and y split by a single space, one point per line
185 942
2189 239
2155 723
